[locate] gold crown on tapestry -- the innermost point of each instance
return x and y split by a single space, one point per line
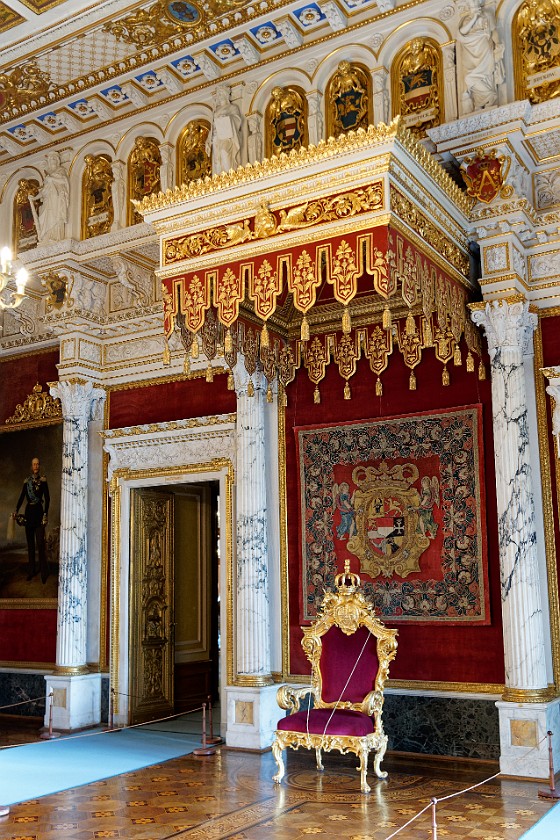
347 582
400 476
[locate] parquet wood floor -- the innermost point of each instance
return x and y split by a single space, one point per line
231 795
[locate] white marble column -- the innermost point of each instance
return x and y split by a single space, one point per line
509 327
252 711
77 693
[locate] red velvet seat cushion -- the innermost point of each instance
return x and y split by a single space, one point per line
343 722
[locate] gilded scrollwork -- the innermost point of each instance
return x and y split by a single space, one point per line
144 166
36 408
417 86
97 197
193 160
26 84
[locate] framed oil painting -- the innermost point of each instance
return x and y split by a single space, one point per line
18 447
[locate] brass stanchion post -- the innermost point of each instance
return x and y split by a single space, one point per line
434 818
552 791
204 749
48 736
213 739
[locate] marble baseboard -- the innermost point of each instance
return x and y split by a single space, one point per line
465 728
17 686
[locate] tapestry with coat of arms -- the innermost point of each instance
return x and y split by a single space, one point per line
402 498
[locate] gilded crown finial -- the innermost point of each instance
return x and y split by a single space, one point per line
347 582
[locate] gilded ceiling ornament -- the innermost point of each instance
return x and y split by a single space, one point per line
348 97
536 32
485 174
25 229
59 289
23 86
97 199
156 23
37 407
417 86
286 120
193 160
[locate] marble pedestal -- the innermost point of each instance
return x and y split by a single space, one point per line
523 740
252 715
76 701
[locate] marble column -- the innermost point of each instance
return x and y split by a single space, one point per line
252 711
509 327
76 701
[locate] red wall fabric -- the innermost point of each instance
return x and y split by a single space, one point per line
19 374
432 651
170 401
26 635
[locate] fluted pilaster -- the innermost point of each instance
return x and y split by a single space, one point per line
509 328
253 608
78 399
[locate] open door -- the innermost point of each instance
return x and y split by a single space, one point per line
151 605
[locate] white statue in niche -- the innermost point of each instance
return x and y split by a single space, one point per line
224 137
481 58
54 197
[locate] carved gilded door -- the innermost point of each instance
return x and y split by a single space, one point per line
151 605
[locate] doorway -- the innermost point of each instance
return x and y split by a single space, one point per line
174 599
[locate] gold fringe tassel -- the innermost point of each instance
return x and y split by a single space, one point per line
347 392
194 348
386 318
316 395
166 354
269 396
410 324
346 321
470 362
445 378
230 382
457 360
428 334
305 329
412 381
481 372
187 364
265 341
250 389
228 342
378 388
209 374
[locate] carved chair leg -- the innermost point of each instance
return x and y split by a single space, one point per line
277 753
319 761
363 756
379 755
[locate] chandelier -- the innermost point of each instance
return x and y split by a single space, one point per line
7 275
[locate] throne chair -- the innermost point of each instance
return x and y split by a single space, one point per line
350 650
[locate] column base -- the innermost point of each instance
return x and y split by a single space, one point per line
523 739
76 701
251 716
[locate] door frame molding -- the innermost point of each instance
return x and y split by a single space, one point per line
136 455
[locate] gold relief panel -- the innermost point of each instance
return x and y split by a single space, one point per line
348 99
193 158
40 6
25 218
8 18
286 120
97 198
417 89
536 35
144 166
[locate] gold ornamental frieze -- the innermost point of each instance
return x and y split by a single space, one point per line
25 85
267 223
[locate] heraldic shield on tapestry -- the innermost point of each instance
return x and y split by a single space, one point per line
404 496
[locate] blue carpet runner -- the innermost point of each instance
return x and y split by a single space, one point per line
46 767
547 828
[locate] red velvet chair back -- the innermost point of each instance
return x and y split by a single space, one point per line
339 655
